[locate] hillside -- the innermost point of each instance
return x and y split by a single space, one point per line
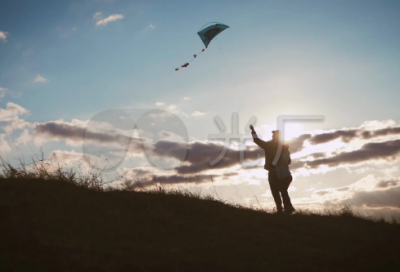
52 225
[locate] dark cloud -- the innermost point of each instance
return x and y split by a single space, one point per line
370 151
60 130
345 135
201 154
297 164
196 156
230 174
387 183
376 199
296 144
165 134
170 149
380 132
318 155
71 132
77 133
144 178
176 179
321 193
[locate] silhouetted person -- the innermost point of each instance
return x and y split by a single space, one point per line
279 176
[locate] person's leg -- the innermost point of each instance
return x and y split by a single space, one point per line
285 183
274 185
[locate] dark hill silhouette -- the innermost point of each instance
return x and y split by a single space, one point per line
54 225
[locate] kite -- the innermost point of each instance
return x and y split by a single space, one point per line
206 36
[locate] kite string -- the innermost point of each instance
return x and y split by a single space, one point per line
196 55
222 52
193 58
229 68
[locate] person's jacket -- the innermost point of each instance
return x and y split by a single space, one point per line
270 147
282 167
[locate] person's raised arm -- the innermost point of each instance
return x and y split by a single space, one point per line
257 140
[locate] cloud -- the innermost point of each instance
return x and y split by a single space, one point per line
380 132
3 92
345 135
198 113
97 15
196 156
149 26
375 193
65 32
3 36
370 192
296 144
172 109
160 104
376 199
57 159
24 138
145 177
4 147
388 183
186 98
12 112
64 157
200 154
109 19
75 133
39 79
371 151
27 52
367 131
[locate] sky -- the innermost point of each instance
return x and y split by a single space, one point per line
68 68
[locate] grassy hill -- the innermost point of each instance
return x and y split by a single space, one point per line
54 225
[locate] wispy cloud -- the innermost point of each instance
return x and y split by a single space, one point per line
149 26
109 19
3 36
39 79
186 98
3 92
198 113
23 138
65 32
4 146
27 52
97 16
11 115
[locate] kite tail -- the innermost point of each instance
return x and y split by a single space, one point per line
187 63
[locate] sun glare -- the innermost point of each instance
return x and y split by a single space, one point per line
291 131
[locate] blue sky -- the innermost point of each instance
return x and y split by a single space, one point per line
336 58
350 46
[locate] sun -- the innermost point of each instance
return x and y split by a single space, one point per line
292 130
